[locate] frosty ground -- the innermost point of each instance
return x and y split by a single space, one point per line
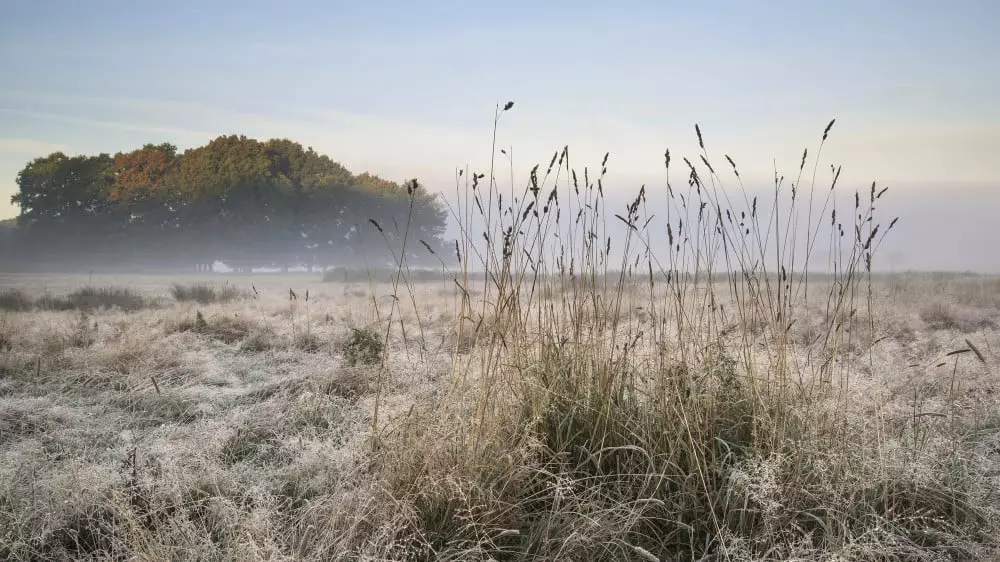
241 430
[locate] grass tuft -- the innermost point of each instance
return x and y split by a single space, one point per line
203 293
255 444
85 299
364 346
13 300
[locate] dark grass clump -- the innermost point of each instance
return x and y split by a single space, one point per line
14 300
350 383
235 330
254 444
98 298
591 434
363 347
680 473
153 410
6 341
17 422
85 298
203 293
308 342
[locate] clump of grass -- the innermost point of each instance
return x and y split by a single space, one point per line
200 325
322 412
255 444
85 298
151 410
17 422
590 433
88 531
224 328
97 298
204 293
350 383
14 300
233 330
308 342
940 315
84 332
6 341
261 339
364 346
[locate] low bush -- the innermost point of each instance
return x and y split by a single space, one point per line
363 347
14 300
203 293
85 298
96 298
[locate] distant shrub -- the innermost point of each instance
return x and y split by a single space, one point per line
307 342
335 275
942 316
939 316
84 333
345 275
95 298
5 343
203 293
15 301
200 325
363 347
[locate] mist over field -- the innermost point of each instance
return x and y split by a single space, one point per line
944 226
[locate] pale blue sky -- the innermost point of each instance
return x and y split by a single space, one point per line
408 89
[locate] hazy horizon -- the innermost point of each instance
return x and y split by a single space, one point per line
405 91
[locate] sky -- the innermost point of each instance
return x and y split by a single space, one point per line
408 89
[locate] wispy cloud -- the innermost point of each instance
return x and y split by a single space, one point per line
29 147
107 124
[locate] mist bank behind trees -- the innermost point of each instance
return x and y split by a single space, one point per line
237 201
244 204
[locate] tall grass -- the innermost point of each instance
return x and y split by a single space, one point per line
84 298
203 293
13 300
607 402
627 405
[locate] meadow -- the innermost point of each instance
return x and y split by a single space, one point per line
564 397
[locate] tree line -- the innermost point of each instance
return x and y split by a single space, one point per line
236 200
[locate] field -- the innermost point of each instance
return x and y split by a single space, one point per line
240 430
758 391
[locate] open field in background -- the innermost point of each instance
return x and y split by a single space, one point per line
143 435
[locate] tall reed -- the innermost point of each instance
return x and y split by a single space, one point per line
624 403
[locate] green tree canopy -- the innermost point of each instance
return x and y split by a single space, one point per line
237 200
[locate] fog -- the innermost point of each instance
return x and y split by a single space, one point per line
940 227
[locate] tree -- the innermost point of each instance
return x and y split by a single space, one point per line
64 206
236 199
